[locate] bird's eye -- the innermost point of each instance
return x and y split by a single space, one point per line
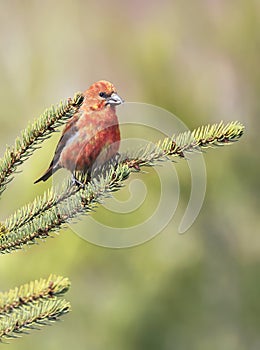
102 94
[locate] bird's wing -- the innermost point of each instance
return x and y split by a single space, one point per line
68 132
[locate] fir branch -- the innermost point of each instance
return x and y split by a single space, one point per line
41 313
72 202
40 204
31 292
53 210
32 304
34 134
3 229
200 138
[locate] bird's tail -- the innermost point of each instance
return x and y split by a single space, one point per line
48 173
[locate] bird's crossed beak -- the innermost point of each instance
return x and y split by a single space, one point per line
114 100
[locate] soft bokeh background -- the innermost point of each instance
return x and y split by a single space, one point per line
200 60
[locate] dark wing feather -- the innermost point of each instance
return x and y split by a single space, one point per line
68 132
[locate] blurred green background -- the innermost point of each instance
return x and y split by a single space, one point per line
199 60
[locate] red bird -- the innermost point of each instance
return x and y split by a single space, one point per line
92 135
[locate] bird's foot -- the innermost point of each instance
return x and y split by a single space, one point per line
76 182
117 158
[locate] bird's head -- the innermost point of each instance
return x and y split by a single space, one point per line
100 95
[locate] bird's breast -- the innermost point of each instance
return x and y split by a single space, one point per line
96 141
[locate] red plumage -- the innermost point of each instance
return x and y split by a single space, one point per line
92 136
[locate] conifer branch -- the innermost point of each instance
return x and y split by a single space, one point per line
31 292
200 138
3 229
50 212
31 305
34 134
26 318
61 208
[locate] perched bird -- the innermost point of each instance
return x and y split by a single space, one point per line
92 136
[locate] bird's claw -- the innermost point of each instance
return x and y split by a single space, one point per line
76 182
